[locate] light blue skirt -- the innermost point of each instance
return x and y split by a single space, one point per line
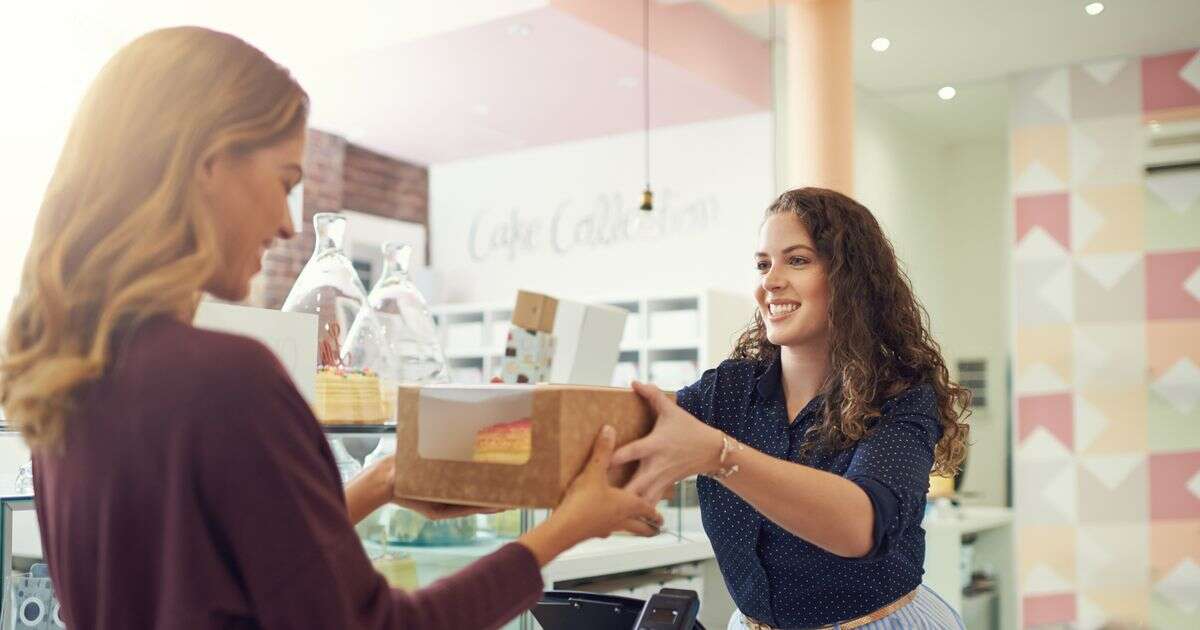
927 611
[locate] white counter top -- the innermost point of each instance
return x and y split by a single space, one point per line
616 554
969 520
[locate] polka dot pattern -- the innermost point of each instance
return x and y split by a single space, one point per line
773 575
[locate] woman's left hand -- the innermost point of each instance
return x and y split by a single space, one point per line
375 486
437 511
679 446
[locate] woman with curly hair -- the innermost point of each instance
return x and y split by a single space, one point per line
817 437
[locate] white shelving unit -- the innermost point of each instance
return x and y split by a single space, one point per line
993 547
669 339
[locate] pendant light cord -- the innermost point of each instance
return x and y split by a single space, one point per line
774 102
646 84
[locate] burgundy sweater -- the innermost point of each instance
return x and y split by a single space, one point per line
195 489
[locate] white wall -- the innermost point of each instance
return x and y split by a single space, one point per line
898 177
944 203
48 59
975 307
559 219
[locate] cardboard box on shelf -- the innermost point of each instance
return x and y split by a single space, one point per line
586 338
535 311
437 428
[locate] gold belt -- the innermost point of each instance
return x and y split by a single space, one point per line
857 622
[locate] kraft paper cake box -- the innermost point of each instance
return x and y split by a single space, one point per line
437 426
534 311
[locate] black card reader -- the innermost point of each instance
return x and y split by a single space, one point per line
670 609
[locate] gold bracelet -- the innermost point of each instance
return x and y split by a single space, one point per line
728 445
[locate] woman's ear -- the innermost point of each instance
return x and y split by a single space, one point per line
208 173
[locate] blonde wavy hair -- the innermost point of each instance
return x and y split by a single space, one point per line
120 235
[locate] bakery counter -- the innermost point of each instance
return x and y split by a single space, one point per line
598 564
616 554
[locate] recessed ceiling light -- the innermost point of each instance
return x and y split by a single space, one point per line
880 44
481 109
519 30
947 93
1094 8
627 82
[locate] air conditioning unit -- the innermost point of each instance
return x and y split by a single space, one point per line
1172 145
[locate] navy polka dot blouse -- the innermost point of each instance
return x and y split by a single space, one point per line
774 576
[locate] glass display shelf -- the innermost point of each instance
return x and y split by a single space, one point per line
359 429
10 506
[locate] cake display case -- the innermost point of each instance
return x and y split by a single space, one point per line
347 392
399 339
328 287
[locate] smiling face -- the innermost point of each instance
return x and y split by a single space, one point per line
247 194
793 288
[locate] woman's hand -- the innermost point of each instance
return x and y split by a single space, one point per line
597 507
375 486
592 508
435 511
679 446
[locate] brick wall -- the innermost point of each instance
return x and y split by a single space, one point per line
377 184
341 176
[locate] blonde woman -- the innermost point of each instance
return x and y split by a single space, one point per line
181 480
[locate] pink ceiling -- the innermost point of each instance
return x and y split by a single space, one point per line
564 72
690 35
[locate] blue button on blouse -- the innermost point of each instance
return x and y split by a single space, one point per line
774 576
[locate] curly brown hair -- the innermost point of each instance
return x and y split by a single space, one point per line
879 343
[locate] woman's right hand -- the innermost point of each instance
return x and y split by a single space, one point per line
592 508
597 507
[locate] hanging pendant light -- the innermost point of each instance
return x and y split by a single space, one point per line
774 102
647 194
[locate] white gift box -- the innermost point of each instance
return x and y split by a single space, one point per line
587 341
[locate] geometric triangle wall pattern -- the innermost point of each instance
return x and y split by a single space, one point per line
1106 366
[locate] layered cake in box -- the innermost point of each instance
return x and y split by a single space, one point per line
504 443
